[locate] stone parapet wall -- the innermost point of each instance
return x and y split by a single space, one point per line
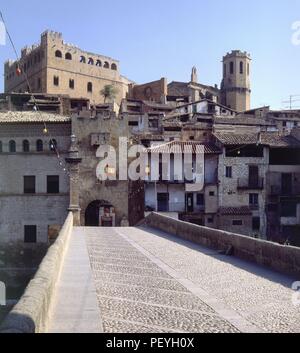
31 313
284 259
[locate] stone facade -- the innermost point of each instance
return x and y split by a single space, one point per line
236 81
38 208
235 191
93 129
56 67
153 91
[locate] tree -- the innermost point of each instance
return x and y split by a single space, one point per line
109 92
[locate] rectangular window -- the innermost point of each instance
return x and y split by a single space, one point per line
72 84
228 172
153 123
56 81
253 199
237 222
211 193
30 234
288 208
256 223
133 123
29 184
53 184
210 220
200 200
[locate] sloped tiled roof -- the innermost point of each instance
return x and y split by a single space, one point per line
235 211
31 117
185 146
236 139
272 139
243 120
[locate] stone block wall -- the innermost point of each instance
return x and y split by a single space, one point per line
284 259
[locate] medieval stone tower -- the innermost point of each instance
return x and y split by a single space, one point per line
236 80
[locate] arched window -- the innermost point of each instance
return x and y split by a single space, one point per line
58 54
91 61
25 146
1 148
12 146
52 145
82 59
68 56
39 146
90 87
224 69
231 67
113 66
98 63
106 65
241 67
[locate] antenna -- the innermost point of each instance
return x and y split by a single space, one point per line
292 100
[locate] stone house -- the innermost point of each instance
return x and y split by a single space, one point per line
56 67
34 190
175 195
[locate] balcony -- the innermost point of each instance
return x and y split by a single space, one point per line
246 184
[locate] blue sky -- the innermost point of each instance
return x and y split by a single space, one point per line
165 38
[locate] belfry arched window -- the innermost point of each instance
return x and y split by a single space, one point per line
241 67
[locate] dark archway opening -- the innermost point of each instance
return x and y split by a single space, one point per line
95 214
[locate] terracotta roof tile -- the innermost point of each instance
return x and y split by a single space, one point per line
185 146
235 211
272 139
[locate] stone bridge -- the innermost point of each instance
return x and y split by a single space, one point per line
163 276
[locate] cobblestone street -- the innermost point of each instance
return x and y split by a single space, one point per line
149 281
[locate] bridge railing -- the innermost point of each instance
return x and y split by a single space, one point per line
31 314
284 259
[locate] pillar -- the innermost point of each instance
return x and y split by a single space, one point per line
74 160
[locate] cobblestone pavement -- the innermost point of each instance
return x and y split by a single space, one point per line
260 296
149 281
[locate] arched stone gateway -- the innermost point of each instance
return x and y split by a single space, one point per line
100 213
